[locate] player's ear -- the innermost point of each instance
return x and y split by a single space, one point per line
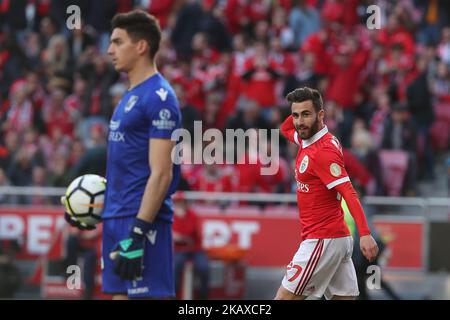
321 114
142 46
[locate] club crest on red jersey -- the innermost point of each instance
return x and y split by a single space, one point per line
304 164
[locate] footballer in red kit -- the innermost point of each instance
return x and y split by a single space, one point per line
322 265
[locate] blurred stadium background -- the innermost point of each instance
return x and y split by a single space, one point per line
387 98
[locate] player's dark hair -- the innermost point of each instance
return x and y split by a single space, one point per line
305 94
140 26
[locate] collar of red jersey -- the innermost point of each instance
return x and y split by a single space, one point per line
314 138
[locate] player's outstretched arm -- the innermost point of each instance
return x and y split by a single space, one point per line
367 243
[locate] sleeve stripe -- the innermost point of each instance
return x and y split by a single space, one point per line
296 138
337 182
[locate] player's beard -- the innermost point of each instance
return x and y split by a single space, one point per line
310 131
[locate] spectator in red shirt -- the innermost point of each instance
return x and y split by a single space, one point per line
259 10
371 75
318 44
236 68
285 60
260 77
74 103
333 11
345 82
394 33
396 68
345 77
37 96
55 116
203 54
189 114
215 178
249 175
243 14
187 241
192 84
278 182
21 113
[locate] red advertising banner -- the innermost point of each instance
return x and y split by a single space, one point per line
271 241
269 237
34 228
405 240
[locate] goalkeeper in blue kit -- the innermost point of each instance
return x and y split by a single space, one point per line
140 174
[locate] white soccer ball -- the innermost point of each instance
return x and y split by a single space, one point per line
84 198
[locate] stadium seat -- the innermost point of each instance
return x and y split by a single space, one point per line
440 134
440 130
442 111
394 164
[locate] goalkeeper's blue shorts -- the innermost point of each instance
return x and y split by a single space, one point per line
157 277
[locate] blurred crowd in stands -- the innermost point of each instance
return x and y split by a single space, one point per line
386 91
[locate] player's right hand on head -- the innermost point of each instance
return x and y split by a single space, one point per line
74 222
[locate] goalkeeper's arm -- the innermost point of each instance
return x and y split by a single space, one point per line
160 162
129 252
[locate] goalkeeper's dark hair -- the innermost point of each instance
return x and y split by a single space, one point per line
305 94
140 26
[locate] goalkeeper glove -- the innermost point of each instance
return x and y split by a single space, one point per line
129 253
74 222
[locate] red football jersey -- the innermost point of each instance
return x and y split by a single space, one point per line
319 168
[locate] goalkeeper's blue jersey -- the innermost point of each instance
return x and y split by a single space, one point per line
149 110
